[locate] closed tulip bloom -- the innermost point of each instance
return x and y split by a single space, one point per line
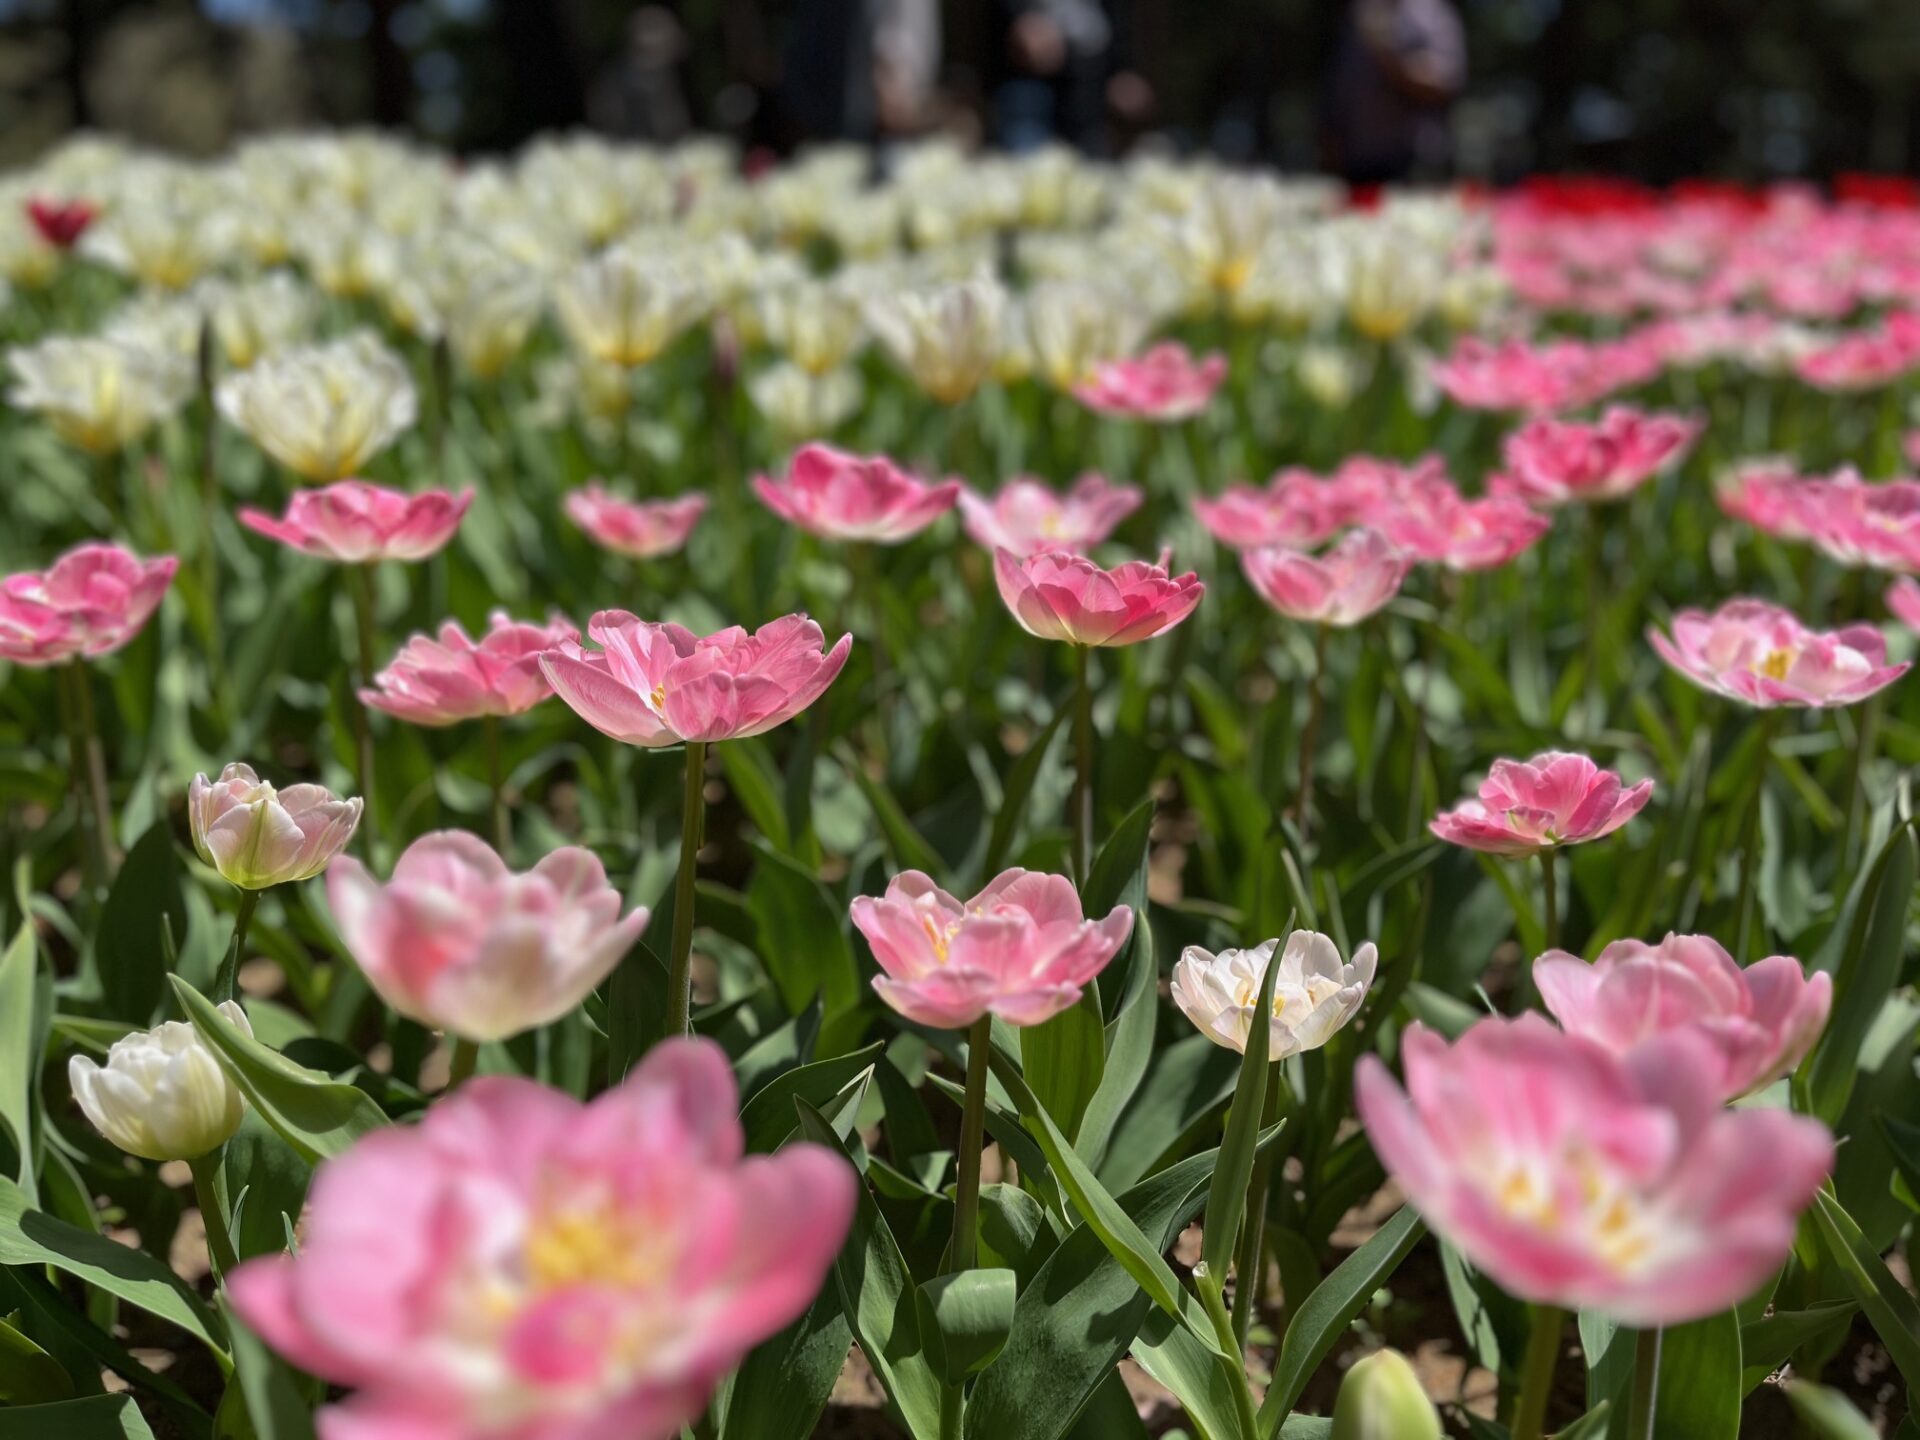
1578 1179
1060 596
354 522
460 943
323 410
1559 462
1526 806
1295 508
1028 516
1313 996
1382 1398
523 1266
455 678
838 496
162 1095
1760 1021
91 601
1343 586
97 393
1760 654
1167 383
658 685
257 837
641 529
1020 949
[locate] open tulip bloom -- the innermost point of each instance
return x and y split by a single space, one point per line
1762 655
1558 462
354 522
1165 384
1028 516
838 496
1314 995
639 529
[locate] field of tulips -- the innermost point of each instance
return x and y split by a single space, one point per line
976 799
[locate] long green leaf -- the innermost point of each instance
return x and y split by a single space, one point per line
1700 1392
1064 1058
1869 969
1013 801
98 1417
28 1374
274 1405
19 1047
1227 1196
1828 1414
130 950
768 1119
1893 1311
1129 1047
784 1383
1171 1355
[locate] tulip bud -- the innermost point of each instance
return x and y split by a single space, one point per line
256 836
1381 1399
161 1094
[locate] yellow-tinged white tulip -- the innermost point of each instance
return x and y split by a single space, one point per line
162 1095
1330 374
97 393
947 337
27 258
1314 994
258 315
323 410
1075 326
802 405
163 228
817 324
1393 280
625 306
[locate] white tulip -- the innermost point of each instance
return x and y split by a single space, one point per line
162 1095
1313 996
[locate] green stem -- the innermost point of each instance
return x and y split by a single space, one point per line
1595 536
360 586
1550 909
91 871
224 982
1209 1287
1646 1385
96 772
953 1411
692 820
1083 766
1536 1373
502 826
1310 737
209 504
1250 1263
1861 764
206 1194
965 1250
1750 840
466 1055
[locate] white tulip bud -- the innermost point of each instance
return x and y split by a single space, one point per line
162 1095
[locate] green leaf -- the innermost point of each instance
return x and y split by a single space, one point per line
268 1390
84 1349
98 1417
1064 1058
1170 1355
1590 1426
28 1374
803 936
316 1114
784 1383
1869 970
964 1319
756 785
1129 1042
32 1237
1903 1142
1829 1414
1183 1083
19 1047
636 1009
768 1116
1019 787
273 1176
1892 1310
1119 874
905 845
1227 1195
1767 1343
1323 1317
1700 1390
129 948
1013 1231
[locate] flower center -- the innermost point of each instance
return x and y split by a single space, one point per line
591 1242
1776 663
1614 1226
939 935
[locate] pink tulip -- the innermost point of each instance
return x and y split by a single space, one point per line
1910 447
522 1266
460 943
1559 375
357 523
1774 498
1060 596
642 529
1341 587
657 685
1020 949
91 601
1295 508
838 496
1903 600
1166 383
1526 806
257 836
1761 1021
1861 523
1579 1179
1028 516
1436 524
1761 654
1556 462
445 681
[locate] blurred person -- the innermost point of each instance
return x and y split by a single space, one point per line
1060 76
639 94
1397 68
906 64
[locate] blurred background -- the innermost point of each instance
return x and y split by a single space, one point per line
1373 89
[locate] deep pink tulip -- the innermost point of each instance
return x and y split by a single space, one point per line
522 1266
657 685
1863 359
1436 524
1059 596
91 601
358 523
61 223
455 678
1761 654
1579 1179
1166 383
1343 586
1020 949
1910 447
838 496
642 529
1761 1020
460 943
1903 601
1295 508
1526 806
1029 516
1558 375
1559 462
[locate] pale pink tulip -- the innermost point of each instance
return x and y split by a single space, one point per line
1559 462
838 496
460 943
1167 383
1761 654
642 529
91 601
1437 525
1342 587
1029 516
522 1266
1558 375
358 523
1578 1179
455 678
1861 523
1526 806
1295 508
257 836
1910 447
1761 1020
658 685
1903 601
1020 949
1060 596
1774 498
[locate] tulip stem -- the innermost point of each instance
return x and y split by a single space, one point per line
209 503
1750 840
1232 1357
1250 1264
1083 767
692 820
460 1068
1861 765
1646 1385
1550 909
1536 1373
502 826
360 586
973 1126
96 774
226 981
1310 737
206 1194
